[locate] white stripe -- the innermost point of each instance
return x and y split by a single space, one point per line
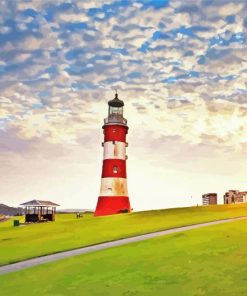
113 187
114 150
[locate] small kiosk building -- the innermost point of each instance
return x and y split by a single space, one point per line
39 211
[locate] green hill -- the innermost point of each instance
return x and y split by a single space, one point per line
208 261
19 243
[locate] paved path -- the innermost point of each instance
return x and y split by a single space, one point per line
50 258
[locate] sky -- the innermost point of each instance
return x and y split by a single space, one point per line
181 69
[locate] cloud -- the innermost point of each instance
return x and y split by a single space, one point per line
230 8
177 64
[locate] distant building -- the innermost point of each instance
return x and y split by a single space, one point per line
235 197
209 199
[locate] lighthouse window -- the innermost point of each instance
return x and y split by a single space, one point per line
115 169
113 110
116 110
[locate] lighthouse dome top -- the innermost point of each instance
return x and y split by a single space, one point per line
116 102
115 112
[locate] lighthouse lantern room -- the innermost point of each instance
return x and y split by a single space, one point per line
114 197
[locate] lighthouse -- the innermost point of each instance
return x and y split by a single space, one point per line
113 198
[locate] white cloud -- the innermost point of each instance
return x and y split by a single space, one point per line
230 8
5 30
72 17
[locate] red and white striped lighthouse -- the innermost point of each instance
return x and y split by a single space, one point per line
114 197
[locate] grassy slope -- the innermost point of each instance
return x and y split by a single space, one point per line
18 243
209 261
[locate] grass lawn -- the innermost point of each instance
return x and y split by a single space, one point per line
18 243
209 261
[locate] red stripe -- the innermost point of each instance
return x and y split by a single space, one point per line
114 168
115 133
109 205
